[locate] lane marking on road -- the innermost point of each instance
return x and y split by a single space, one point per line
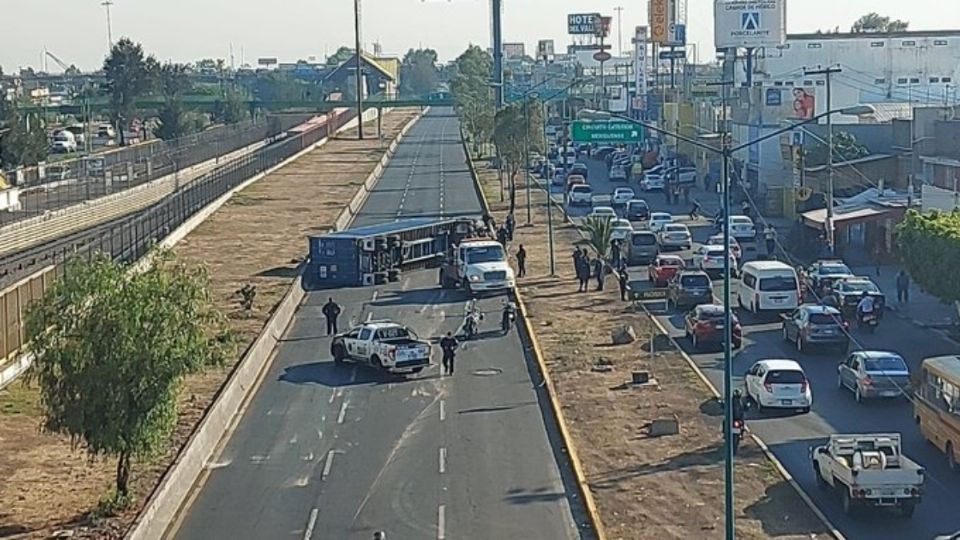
441 522
343 412
443 460
443 410
333 395
311 523
319 436
373 297
327 466
353 375
369 316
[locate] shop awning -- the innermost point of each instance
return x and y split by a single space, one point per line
816 218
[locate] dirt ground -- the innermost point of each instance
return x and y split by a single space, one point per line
644 487
259 237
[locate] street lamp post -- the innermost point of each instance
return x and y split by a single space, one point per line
106 4
356 35
526 155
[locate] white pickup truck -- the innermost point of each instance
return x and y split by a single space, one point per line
384 345
477 265
869 470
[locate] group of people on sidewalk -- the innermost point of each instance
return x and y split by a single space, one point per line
587 268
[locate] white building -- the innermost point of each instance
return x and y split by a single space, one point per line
921 67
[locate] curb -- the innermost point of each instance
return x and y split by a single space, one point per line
833 531
583 486
183 478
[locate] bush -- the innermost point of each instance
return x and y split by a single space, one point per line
929 246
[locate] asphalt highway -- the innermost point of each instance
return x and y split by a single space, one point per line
790 436
339 452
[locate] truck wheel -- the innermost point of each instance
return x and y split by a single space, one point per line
821 483
375 362
907 509
338 354
849 507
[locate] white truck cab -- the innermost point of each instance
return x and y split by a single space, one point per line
869 470
478 265
384 345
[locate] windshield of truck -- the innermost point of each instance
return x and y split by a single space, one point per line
778 284
884 363
485 254
393 332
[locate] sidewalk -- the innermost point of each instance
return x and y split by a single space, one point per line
922 309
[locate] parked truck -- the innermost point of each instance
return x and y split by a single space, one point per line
869 470
384 345
477 265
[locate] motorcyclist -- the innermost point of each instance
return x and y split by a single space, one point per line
865 306
509 314
738 411
473 317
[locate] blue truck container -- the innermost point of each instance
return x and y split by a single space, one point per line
377 254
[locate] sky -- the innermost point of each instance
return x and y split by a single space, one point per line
186 30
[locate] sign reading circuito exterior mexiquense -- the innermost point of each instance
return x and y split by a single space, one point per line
749 23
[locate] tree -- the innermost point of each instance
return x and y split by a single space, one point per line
599 233
231 109
111 350
173 82
845 148
515 127
929 246
72 71
473 95
128 74
874 22
342 55
418 72
24 140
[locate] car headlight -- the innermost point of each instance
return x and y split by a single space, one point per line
474 278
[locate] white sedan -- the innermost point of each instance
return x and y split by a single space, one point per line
717 240
675 235
778 384
604 212
742 228
710 259
622 229
658 220
621 196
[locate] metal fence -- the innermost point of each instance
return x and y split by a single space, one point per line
137 165
131 237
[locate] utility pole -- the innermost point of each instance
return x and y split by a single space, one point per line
356 32
526 155
619 10
829 221
730 523
497 53
106 4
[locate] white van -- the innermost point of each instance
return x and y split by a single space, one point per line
768 286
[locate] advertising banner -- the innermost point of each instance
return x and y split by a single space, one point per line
545 49
661 16
796 103
513 50
603 27
580 24
749 23
640 61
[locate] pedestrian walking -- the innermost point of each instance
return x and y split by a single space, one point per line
502 236
511 225
695 210
521 261
903 287
615 252
598 271
583 271
449 345
770 238
331 310
624 284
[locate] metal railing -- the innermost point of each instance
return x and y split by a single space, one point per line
129 238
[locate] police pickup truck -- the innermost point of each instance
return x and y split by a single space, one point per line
384 345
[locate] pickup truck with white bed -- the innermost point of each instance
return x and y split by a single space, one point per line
384 345
869 470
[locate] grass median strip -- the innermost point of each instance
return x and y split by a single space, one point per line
257 239
644 486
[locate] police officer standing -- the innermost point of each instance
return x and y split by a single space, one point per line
448 344
624 283
521 262
331 310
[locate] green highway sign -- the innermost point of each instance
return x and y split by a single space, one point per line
607 132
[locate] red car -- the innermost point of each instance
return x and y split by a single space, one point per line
663 268
704 324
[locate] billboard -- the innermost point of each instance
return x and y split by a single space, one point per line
793 103
640 60
749 23
603 27
545 49
266 61
513 50
583 23
661 17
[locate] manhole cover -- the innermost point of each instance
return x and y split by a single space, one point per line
487 372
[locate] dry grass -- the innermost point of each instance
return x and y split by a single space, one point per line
656 488
259 237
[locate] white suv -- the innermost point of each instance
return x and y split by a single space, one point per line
778 384
580 195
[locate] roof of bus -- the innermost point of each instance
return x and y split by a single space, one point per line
946 365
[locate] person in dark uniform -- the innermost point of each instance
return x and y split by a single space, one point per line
624 279
331 310
521 262
448 344
598 272
582 267
502 236
510 225
615 252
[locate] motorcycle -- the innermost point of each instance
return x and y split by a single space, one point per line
737 434
868 322
508 318
471 323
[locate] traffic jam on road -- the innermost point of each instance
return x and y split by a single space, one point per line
866 421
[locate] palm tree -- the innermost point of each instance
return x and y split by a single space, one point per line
599 232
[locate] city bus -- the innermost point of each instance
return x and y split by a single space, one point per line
937 405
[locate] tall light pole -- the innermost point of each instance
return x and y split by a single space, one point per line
829 221
356 33
497 54
106 4
619 10
526 155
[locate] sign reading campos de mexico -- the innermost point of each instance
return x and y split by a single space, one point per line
749 23
583 23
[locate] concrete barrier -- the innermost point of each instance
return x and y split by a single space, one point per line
177 483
